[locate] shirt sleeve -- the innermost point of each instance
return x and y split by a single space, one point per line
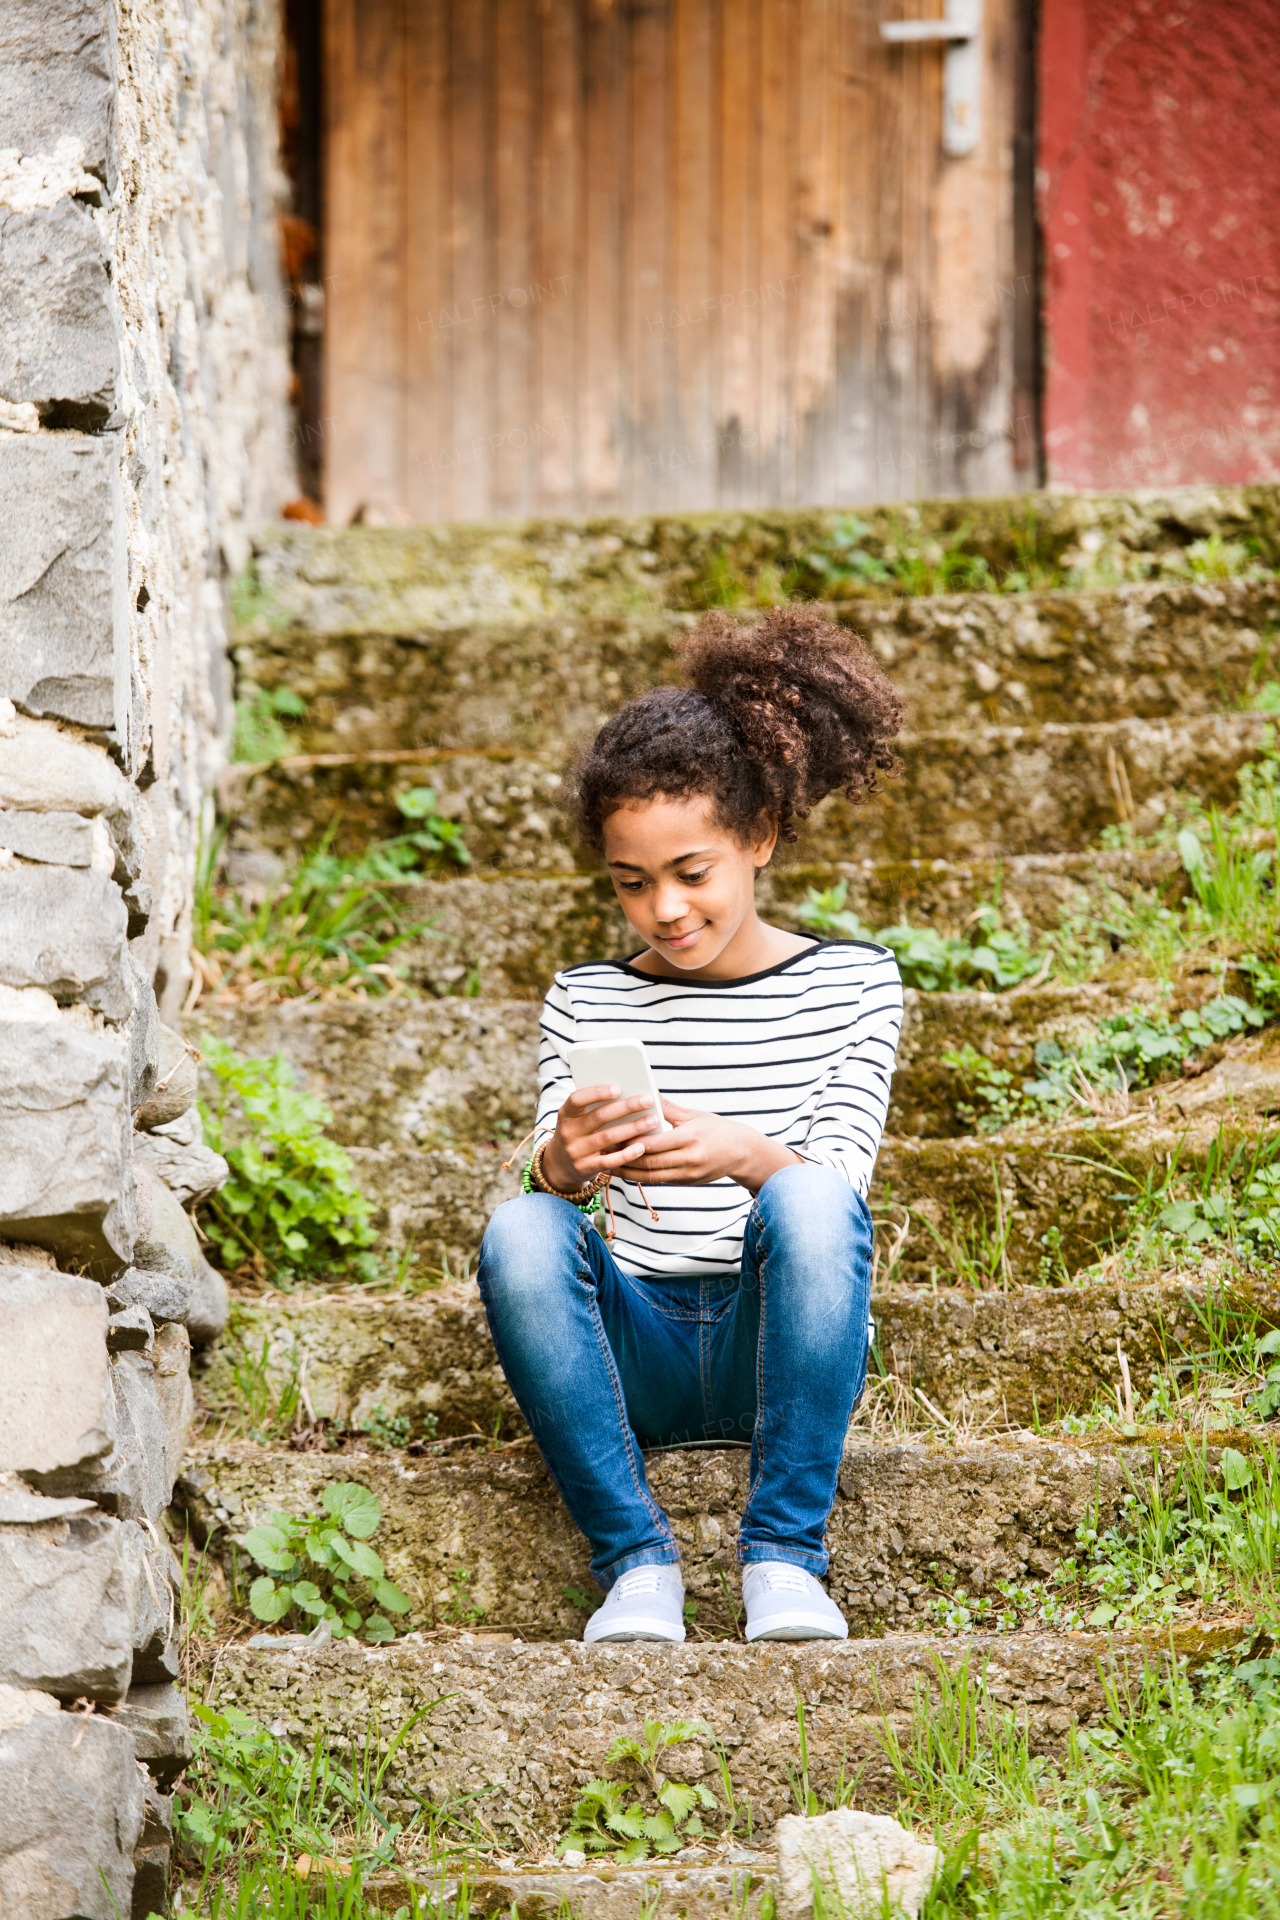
555 1082
848 1122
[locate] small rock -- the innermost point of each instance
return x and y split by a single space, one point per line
165 1292
157 1719
175 1084
856 1858
176 1154
130 1331
210 1306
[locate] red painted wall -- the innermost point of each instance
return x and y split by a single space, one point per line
1159 187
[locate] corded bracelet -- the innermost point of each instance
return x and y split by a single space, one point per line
533 1180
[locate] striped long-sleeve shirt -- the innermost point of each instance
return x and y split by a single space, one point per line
803 1052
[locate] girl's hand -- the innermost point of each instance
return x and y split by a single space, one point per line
705 1147
605 1140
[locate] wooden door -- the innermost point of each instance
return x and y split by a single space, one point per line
659 255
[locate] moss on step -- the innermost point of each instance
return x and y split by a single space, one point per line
1157 651
442 1073
1026 1354
413 580
983 793
529 1725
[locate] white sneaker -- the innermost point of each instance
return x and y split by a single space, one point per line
786 1603
645 1604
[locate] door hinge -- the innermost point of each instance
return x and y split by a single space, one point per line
960 32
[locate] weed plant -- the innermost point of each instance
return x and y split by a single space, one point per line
333 1546
328 931
291 1207
989 954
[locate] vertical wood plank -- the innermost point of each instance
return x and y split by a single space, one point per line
365 252
739 229
508 319
429 321
558 266
683 319
779 283
653 426
602 407
471 236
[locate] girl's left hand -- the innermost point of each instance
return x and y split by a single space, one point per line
705 1147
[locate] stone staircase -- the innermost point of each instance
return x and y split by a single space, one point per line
471 658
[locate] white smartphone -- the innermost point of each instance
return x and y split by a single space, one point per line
617 1063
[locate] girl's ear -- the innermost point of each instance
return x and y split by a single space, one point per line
763 842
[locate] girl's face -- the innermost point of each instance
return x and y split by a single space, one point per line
687 885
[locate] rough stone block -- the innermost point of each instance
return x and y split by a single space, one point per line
57 78
175 1086
144 1033
157 1719
864 1863
133 1481
73 1807
168 1246
156 1642
66 1172
57 1410
130 1331
68 1603
166 1295
210 1306
57 335
58 573
151 1856
45 771
61 839
176 1153
171 1360
67 931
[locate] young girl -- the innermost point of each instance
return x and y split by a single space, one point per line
731 1303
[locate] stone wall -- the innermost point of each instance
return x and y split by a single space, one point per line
143 439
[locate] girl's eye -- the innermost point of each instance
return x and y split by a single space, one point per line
694 879
630 886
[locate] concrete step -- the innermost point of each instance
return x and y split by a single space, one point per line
444 1073
527 635
1158 651
502 937
912 1520
976 793
1021 1356
527 1726
1073 1179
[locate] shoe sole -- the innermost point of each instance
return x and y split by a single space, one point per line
798 1629
637 1630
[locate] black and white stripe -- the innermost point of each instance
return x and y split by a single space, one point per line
803 1052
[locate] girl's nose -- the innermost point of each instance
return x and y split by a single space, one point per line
669 903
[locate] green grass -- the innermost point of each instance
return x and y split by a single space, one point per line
1166 1808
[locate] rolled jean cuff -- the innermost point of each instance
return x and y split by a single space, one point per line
752 1551
668 1556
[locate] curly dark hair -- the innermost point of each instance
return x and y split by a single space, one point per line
774 716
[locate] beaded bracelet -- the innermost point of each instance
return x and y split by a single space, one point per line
586 1199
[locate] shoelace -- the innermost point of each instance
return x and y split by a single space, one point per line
639 1580
781 1577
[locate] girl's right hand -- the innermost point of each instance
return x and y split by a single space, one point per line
603 1140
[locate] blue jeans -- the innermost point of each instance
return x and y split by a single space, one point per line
604 1365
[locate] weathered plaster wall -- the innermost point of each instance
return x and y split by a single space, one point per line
1160 202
